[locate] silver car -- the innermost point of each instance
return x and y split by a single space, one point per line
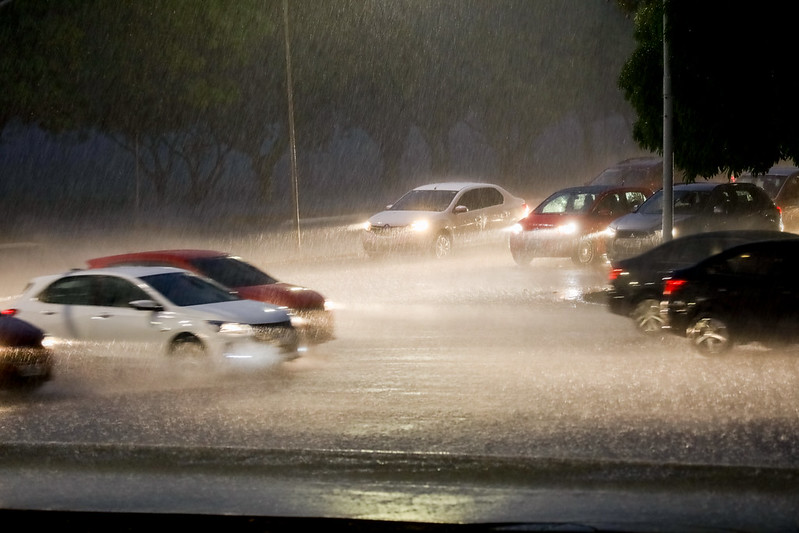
155 310
433 218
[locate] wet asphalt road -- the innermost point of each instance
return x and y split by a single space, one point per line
457 391
471 355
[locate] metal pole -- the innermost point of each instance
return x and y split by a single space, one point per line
668 149
292 138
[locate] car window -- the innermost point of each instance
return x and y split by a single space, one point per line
686 201
471 199
770 183
568 202
187 290
111 291
73 290
489 197
231 272
634 199
610 204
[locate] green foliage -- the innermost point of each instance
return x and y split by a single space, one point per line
734 85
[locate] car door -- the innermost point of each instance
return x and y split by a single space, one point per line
498 214
112 318
469 219
62 309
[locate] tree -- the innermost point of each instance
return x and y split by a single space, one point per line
734 84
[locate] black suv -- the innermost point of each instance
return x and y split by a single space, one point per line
744 294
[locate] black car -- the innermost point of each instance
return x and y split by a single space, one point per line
636 283
698 207
24 358
744 294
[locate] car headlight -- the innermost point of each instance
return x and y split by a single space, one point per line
232 329
367 226
609 232
568 229
420 225
516 229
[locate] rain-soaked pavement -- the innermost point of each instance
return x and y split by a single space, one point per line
470 356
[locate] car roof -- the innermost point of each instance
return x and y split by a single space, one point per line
602 188
453 185
646 161
779 170
131 271
154 255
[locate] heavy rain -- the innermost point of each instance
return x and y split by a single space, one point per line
470 357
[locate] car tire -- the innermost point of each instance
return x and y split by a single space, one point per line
710 335
521 257
646 316
187 348
442 245
585 253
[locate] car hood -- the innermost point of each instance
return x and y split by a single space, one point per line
549 220
401 218
242 311
284 294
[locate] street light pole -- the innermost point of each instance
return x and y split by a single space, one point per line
668 150
292 137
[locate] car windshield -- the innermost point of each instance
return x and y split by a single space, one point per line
231 271
686 202
424 200
567 202
770 183
185 290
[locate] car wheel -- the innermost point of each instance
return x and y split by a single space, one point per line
521 257
710 335
585 254
646 316
187 348
442 246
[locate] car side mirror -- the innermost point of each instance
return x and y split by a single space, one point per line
146 305
460 209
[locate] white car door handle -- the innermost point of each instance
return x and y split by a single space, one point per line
102 316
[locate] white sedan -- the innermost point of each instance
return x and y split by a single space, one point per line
156 310
433 218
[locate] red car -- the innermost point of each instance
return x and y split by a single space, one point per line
248 281
570 222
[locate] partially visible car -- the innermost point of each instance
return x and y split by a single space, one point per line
744 294
246 280
570 222
698 207
635 284
156 311
434 218
25 355
644 172
782 185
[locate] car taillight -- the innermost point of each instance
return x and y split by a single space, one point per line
8 312
672 286
615 273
